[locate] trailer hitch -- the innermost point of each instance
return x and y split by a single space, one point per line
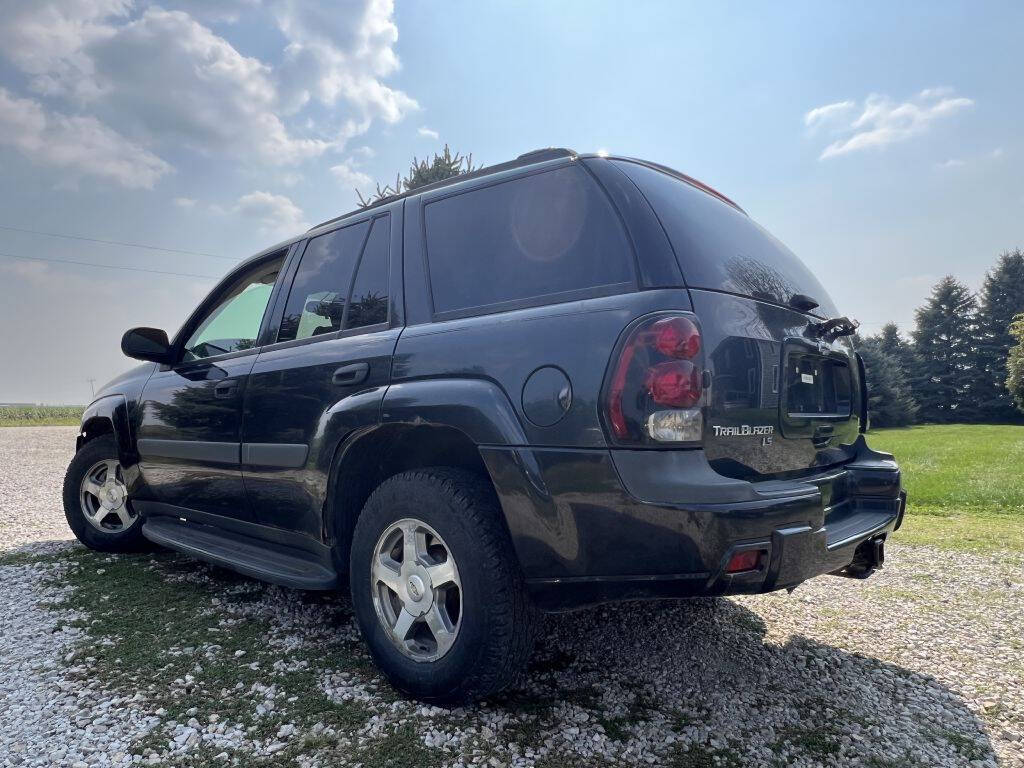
867 558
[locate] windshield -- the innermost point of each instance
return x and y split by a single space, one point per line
721 248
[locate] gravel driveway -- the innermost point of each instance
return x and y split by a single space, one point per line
923 664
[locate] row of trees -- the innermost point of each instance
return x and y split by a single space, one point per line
964 360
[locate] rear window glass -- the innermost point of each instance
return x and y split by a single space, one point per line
536 236
722 249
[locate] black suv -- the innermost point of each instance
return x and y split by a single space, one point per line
559 381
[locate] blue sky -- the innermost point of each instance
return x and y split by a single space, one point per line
881 142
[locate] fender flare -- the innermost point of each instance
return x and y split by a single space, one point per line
478 408
113 410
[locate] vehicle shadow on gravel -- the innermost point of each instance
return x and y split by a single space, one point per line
709 676
683 684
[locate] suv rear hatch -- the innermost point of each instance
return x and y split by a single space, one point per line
783 401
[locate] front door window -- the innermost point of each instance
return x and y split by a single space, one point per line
234 323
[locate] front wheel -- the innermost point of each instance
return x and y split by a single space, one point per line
436 587
96 502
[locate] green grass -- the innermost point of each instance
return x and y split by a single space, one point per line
40 415
965 484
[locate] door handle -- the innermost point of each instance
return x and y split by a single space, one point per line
226 389
348 375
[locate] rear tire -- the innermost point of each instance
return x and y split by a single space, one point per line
96 502
459 642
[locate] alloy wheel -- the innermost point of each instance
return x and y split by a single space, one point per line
104 498
416 590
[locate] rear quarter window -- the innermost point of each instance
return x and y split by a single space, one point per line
549 236
721 248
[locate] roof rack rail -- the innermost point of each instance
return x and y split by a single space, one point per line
546 153
527 158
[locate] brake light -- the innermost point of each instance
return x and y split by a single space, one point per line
676 384
654 392
677 337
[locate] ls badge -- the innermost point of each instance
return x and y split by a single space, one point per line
766 432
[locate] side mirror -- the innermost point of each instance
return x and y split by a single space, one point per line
147 344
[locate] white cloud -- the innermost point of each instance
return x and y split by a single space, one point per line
221 101
185 202
936 93
342 53
952 163
348 176
364 152
882 121
169 82
276 214
46 39
428 132
828 113
221 11
996 153
81 145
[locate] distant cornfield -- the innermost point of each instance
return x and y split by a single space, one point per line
39 415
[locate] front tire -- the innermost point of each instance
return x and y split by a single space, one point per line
96 502
436 587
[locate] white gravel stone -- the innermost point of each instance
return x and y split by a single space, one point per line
923 663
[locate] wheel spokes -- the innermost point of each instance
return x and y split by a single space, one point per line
91 486
387 572
440 627
103 497
410 543
442 574
423 589
124 515
403 624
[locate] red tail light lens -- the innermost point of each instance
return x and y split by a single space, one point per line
658 372
677 337
676 384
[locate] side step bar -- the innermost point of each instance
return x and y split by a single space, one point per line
248 556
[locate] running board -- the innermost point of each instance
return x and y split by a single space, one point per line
245 554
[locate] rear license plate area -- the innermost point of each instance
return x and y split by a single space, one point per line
816 390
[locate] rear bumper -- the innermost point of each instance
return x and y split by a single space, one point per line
597 526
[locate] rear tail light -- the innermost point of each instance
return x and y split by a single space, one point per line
654 393
676 383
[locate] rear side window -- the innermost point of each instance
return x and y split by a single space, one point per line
369 302
545 236
722 249
344 269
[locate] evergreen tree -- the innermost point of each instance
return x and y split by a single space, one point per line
944 373
421 172
901 350
1015 363
890 402
1001 298
894 345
